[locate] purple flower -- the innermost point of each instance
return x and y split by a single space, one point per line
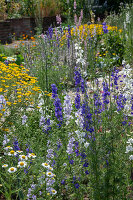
77 77
63 182
76 185
24 119
50 31
58 109
87 172
67 108
121 100
45 124
82 86
86 164
105 30
16 145
54 91
77 101
34 197
71 161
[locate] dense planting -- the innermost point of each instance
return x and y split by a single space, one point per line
66 108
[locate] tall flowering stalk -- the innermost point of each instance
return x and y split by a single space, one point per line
57 104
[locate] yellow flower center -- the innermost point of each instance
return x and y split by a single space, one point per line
46 164
21 164
12 169
12 152
49 173
23 157
53 191
32 154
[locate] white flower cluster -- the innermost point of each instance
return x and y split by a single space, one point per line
12 59
67 109
22 158
48 178
79 118
79 54
129 148
128 87
81 138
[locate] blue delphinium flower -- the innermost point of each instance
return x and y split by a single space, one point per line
132 105
67 108
54 91
63 182
97 104
57 104
70 146
50 31
77 77
77 185
77 101
16 145
105 30
69 31
121 100
68 43
58 110
24 119
87 125
105 95
71 161
45 124
82 85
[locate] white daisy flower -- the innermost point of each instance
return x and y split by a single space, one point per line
19 151
8 148
5 165
23 157
12 153
31 155
49 174
12 169
53 191
22 164
51 168
46 165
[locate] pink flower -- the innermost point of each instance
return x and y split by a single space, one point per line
75 5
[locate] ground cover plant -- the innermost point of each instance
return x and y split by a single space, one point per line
66 108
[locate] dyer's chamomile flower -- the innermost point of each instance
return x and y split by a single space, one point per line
23 157
5 165
49 174
22 164
31 155
46 165
12 169
12 153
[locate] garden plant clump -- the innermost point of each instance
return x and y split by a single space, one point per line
66 115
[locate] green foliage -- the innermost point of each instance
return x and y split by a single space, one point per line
7 51
124 21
